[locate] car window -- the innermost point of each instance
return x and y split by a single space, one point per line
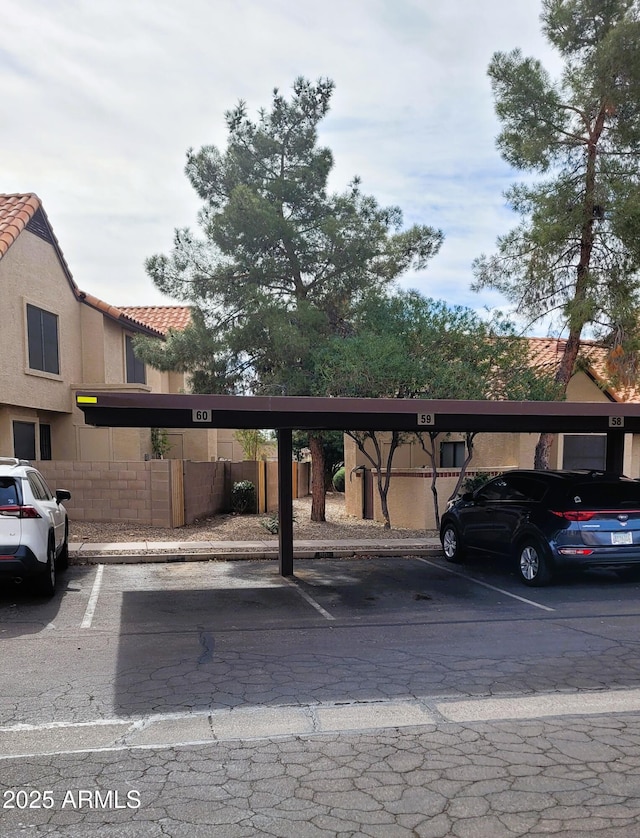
45 487
497 489
606 495
39 487
36 489
512 487
8 492
527 488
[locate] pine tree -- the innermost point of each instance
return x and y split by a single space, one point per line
575 255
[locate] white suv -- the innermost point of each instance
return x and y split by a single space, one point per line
34 526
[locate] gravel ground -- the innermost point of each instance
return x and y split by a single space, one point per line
338 525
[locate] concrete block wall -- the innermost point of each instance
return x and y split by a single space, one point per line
205 489
147 492
137 491
160 507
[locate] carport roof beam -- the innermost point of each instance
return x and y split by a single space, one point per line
144 410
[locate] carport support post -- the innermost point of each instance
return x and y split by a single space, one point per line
285 501
615 452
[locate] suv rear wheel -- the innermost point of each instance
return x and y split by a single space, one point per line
46 582
533 566
451 544
63 558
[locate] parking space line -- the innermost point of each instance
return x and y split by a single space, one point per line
486 585
93 599
310 599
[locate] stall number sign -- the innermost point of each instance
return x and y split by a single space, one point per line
616 421
201 416
426 419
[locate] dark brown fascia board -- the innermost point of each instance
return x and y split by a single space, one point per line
602 386
58 250
311 413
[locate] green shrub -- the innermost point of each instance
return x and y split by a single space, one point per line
243 497
473 483
272 523
339 479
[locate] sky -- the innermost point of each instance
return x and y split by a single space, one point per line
102 98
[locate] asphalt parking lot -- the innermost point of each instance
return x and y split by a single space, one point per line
140 664
133 639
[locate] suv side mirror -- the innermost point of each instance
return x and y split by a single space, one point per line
467 497
62 494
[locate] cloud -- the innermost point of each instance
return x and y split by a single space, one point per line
102 99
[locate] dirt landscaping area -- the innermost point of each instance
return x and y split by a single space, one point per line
229 527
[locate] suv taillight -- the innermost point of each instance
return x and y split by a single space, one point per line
574 515
15 511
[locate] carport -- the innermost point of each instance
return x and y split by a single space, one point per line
285 414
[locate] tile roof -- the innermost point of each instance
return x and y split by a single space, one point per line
160 318
15 213
546 353
119 314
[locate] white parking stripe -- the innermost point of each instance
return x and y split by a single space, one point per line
93 599
310 599
249 723
486 585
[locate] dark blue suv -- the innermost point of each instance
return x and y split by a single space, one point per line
548 521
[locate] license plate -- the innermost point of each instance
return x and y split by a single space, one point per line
622 538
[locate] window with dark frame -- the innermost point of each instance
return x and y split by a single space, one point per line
24 440
585 451
136 373
42 339
45 442
451 454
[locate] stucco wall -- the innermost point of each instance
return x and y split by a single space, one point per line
31 273
582 388
410 499
92 346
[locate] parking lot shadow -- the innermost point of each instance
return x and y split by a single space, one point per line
399 629
23 611
179 649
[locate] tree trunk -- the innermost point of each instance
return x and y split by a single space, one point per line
436 504
576 316
469 443
383 485
431 454
543 452
318 488
383 490
563 375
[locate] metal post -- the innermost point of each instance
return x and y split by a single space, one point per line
615 452
285 502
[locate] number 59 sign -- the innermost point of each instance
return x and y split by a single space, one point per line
426 419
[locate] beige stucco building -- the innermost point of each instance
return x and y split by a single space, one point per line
57 340
410 497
